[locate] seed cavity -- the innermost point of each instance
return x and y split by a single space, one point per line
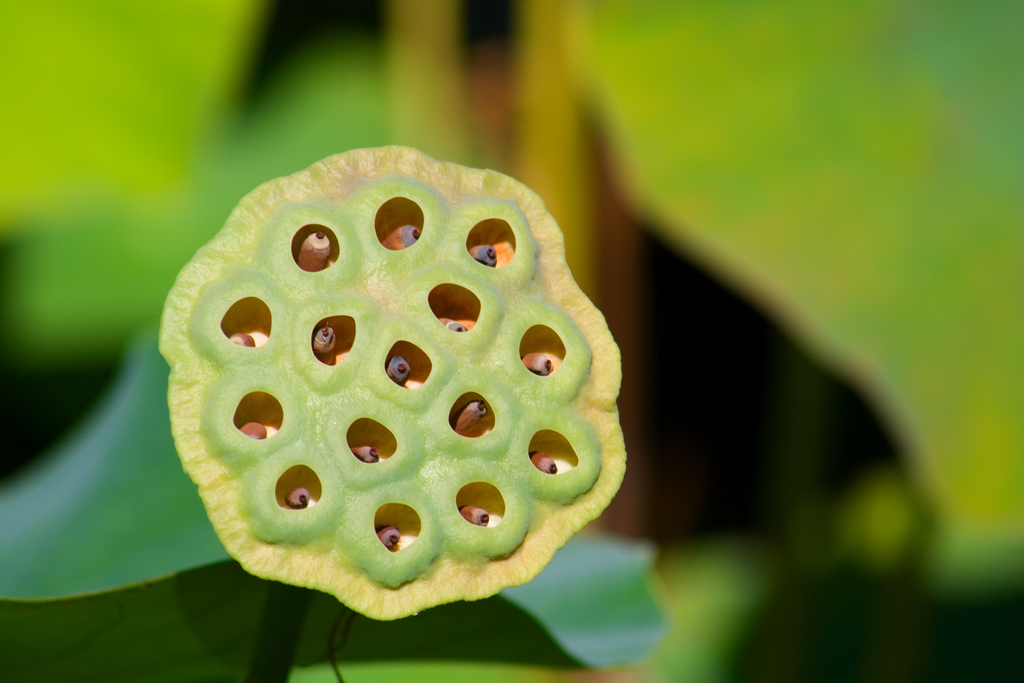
397 526
314 247
548 449
452 303
333 338
544 462
481 503
496 234
247 322
298 488
485 254
540 348
259 415
370 441
417 362
471 416
398 223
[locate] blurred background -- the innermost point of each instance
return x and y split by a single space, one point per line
803 221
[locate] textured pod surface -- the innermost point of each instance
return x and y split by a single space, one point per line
320 411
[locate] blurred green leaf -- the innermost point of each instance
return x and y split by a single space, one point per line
714 590
328 100
111 93
110 504
856 169
967 564
200 625
386 672
618 628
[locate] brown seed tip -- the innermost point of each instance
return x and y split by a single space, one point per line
254 430
297 498
538 363
471 413
243 339
390 537
475 515
314 252
366 453
543 462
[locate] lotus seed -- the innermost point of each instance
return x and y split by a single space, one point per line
314 252
254 430
366 453
485 254
398 370
390 537
538 364
323 344
543 462
243 339
402 237
475 515
469 415
297 498
453 325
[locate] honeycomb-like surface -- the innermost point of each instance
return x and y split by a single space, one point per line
275 430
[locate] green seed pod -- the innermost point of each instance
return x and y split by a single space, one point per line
321 469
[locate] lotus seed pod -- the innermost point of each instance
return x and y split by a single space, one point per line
320 462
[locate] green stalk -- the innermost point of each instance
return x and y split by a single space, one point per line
277 639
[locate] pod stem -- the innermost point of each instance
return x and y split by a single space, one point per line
277 639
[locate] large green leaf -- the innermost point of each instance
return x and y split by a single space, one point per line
111 506
111 93
200 625
327 100
857 169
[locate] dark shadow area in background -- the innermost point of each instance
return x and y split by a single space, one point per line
40 404
711 395
289 26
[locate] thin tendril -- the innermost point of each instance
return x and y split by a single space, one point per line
331 652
